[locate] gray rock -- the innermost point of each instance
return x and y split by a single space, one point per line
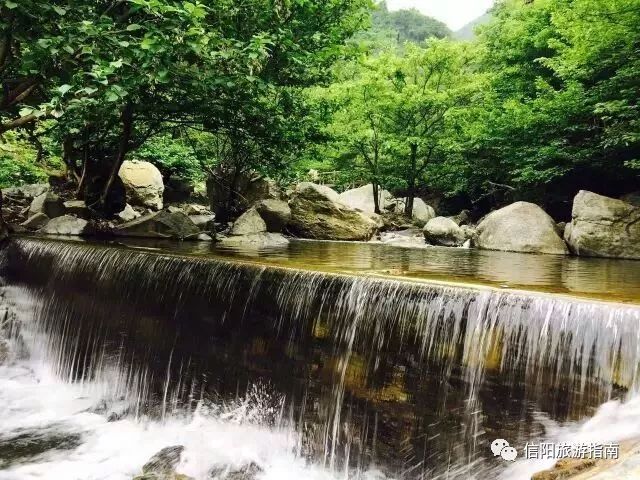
66 225
362 198
316 212
197 209
275 213
463 218
520 227
203 237
204 222
410 237
35 222
143 184
249 223
26 192
445 232
257 241
247 472
422 212
165 461
48 203
128 214
160 225
77 208
603 227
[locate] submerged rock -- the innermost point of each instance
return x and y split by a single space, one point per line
66 225
143 184
317 212
49 204
257 241
275 213
444 232
603 227
520 227
160 225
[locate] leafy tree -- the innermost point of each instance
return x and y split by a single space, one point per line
564 114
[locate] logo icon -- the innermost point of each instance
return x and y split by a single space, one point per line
501 448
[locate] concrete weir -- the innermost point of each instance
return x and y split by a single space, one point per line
406 375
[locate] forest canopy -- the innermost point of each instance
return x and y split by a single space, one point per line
542 103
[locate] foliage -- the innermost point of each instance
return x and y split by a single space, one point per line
394 116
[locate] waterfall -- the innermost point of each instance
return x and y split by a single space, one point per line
371 370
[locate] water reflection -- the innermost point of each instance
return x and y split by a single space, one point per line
606 279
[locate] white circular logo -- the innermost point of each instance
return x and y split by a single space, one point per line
501 448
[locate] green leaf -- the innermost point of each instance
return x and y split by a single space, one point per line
10 5
133 27
63 89
59 10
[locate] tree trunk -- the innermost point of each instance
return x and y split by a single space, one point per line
127 125
375 183
376 196
411 182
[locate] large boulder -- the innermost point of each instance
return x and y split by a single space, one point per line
143 183
520 227
275 213
422 212
261 188
66 225
445 232
603 227
160 225
317 212
249 223
49 204
362 198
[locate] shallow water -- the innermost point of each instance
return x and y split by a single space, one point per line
307 375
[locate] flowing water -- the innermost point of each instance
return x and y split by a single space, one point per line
315 372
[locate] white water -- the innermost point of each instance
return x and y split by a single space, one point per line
32 398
